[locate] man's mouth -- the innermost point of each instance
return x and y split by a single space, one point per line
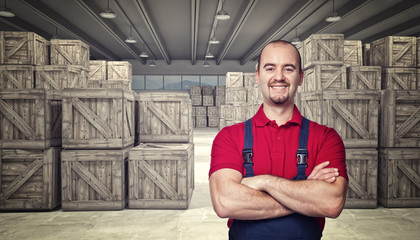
278 87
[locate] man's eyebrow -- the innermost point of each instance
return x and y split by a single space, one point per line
269 65
290 65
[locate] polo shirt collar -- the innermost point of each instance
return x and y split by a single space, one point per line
261 119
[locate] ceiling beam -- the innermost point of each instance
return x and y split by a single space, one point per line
135 29
213 26
395 30
281 23
58 21
195 15
143 12
246 11
23 26
94 11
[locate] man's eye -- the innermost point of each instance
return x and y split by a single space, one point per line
289 69
269 69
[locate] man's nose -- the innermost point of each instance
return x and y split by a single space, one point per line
279 74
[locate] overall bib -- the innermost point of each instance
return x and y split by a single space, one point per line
294 226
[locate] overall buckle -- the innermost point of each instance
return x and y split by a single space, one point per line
247 155
302 156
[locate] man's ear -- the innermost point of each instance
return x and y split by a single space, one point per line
257 76
301 78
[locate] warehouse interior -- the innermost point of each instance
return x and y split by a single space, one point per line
107 124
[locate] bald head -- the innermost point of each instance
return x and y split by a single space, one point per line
280 42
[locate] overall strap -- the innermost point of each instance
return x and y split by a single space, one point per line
302 152
247 152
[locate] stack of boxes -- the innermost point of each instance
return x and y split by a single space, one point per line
206 103
347 102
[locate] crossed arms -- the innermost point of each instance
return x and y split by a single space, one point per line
323 194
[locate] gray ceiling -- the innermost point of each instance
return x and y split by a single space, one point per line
180 29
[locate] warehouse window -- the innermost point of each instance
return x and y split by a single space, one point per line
154 82
172 82
175 82
209 80
138 82
188 80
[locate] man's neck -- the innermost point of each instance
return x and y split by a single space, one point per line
280 113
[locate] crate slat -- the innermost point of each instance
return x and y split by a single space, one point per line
30 179
161 176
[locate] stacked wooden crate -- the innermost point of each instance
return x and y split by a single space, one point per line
348 101
110 74
161 168
30 126
399 140
206 102
243 98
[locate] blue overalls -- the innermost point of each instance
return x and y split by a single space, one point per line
294 226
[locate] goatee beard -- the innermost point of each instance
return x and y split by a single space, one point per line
279 101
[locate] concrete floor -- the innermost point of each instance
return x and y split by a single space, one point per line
197 222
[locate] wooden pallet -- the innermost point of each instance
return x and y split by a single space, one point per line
352 113
399 177
94 179
17 77
30 179
30 118
393 51
23 48
165 116
98 118
362 170
69 52
161 176
400 118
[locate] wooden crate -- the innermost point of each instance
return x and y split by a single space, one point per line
301 49
324 77
366 54
69 52
213 111
362 169
250 79
219 100
220 90
195 90
393 51
94 179
324 49
200 121
161 176
364 77
400 79
165 117
234 79
254 95
226 111
59 77
30 118
119 70
17 77
352 113
98 118
208 100
196 99
97 70
353 55
418 51
235 95
399 121
239 112
207 90
200 111
23 48
213 121
399 177
116 84
30 179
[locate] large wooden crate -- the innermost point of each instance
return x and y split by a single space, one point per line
69 52
97 70
208 100
366 54
400 118
59 77
234 79
399 177
235 95
30 118
195 90
165 116
119 75
353 55
161 176
94 179
393 51
324 49
250 79
23 48
17 77
207 90
254 95
362 170
324 77
200 121
98 118
364 77
30 179
400 79
352 113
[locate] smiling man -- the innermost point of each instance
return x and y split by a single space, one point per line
278 175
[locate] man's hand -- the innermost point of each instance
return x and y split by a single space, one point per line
320 172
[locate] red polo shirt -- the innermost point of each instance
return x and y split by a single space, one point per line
275 148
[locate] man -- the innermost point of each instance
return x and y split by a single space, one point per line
270 205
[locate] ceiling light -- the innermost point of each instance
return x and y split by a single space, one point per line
333 17
222 15
214 40
209 55
108 13
206 64
296 41
152 64
6 12
130 39
144 54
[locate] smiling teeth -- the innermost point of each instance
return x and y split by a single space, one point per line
279 87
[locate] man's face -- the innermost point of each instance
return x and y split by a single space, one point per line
279 75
